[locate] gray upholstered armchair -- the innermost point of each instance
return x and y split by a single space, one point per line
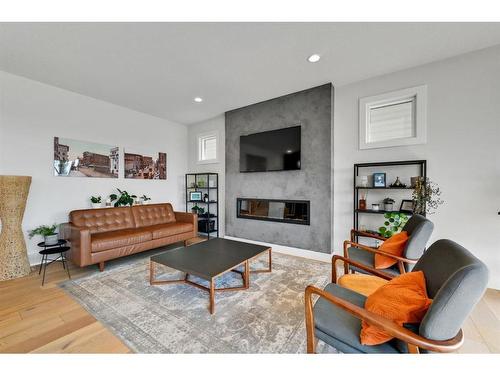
455 279
419 231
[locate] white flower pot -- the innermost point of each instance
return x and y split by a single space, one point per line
96 205
51 240
388 206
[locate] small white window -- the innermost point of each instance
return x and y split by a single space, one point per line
207 148
394 119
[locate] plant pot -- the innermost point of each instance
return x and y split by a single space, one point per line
96 205
375 207
388 206
51 240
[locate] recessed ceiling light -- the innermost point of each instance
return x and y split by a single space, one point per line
314 58
198 99
288 151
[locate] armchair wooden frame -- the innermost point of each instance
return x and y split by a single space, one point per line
414 341
401 260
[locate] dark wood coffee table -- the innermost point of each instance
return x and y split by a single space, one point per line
208 260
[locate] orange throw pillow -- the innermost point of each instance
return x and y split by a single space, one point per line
403 300
393 245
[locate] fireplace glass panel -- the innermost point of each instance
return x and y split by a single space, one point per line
287 211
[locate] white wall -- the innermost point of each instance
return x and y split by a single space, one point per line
216 124
33 113
462 149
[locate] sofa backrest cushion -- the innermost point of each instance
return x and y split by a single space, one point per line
103 219
152 214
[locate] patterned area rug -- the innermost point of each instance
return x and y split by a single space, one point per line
174 318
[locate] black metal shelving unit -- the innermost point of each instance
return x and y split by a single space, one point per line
422 164
211 207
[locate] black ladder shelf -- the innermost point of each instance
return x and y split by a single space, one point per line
211 189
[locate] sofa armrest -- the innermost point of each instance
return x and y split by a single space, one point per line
186 217
80 243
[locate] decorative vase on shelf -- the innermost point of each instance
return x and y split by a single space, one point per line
13 254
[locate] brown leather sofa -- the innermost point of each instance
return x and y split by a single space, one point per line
99 235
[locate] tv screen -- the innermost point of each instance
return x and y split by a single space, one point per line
275 150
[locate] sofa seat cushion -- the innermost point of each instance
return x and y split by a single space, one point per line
170 229
119 238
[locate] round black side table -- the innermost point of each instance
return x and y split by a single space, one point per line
57 248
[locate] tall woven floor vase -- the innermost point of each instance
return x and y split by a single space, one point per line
13 254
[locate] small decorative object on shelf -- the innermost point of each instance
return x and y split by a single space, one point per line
413 181
362 201
389 204
205 197
95 201
397 184
125 199
379 180
406 206
375 206
108 202
362 181
49 234
394 222
195 196
197 210
426 196
362 204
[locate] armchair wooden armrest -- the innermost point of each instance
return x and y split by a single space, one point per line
373 271
360 233
413 340
401 260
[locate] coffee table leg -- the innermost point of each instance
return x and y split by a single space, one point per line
212 296
151 272
246 275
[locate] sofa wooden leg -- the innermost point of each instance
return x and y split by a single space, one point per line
185 243
101 266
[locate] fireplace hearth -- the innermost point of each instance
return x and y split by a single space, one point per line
280 210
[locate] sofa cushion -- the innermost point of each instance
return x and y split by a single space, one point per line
103 220
153 214
171 229
111 240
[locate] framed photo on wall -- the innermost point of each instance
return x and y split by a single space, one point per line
406 206
379 180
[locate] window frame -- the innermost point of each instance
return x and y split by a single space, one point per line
200 137
393 97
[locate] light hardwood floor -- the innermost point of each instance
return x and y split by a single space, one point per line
36 319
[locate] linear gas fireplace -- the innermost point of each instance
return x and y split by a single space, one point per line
282 210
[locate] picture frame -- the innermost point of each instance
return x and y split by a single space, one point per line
195 196
406 206
379 180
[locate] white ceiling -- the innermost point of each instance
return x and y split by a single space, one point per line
158 68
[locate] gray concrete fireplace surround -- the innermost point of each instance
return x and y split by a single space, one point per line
312 110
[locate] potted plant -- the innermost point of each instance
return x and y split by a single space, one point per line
426 196
95 201
197 210
145 198
48 233
124 199
389 204
394 222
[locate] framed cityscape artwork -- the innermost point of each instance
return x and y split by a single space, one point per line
74 158
149 166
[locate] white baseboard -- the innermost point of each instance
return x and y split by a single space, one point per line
323 257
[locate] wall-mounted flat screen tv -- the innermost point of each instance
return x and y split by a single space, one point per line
275 150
